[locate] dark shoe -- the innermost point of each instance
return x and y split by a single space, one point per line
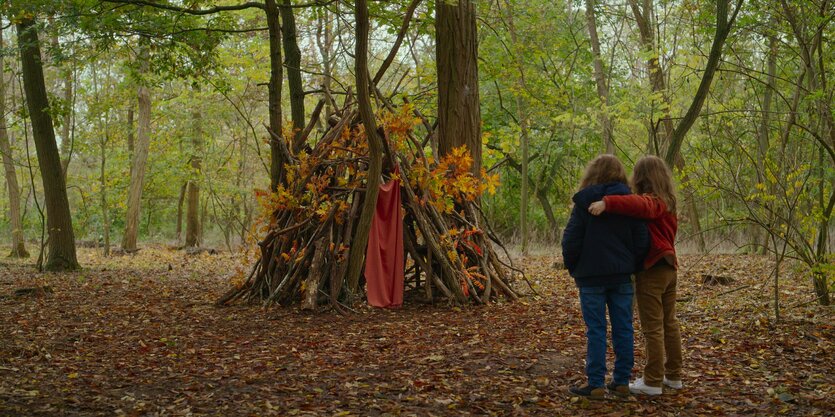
592 393
618 390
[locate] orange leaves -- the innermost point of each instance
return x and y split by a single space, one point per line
452 180
398 126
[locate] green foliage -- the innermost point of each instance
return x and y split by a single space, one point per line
734 185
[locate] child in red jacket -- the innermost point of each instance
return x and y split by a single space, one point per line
655 287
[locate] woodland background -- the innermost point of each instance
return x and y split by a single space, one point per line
162 112
758 158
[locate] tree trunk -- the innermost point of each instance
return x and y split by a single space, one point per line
521 110
643 18
66 128
193 200
723 28
180 202
459 115
600 79
324 41
375 148
140 158
763 140
130 138
61 256
277 162
18 240
104 206
104 131
293 62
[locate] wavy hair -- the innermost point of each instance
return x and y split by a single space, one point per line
605 168
651 175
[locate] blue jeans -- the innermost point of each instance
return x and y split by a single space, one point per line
593 302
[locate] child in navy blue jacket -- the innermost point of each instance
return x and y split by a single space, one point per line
601 254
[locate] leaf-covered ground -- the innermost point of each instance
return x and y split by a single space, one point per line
138 335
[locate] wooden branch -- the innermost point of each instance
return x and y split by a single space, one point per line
282 145
314 117
407 18
196 12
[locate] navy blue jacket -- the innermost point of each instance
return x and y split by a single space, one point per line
606 249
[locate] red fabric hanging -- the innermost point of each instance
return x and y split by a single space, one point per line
384 268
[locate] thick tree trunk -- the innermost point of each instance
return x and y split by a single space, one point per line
600 79
18 240
277 171
375 148
140 159
193 201
459 115
293 62
61 255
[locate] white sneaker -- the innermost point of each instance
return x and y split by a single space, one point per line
673 383
639 387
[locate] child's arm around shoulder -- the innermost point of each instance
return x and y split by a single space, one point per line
643 206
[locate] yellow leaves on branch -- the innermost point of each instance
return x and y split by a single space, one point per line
398 125
452 180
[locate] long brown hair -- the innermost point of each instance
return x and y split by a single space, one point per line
603 169
651 175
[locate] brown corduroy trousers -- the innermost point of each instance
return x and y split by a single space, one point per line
655 290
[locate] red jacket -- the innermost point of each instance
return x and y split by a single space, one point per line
662 224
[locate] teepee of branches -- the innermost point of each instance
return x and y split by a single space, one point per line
310 220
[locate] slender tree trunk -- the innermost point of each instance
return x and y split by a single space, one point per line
18 240
277 172
104 206
180 202
459 115
600 79
104 131
521 109
356 256
193 200
541 190
66 128
643 18
130 138
662 143
293 62
723 28
324 41
61 256
140 158
763 140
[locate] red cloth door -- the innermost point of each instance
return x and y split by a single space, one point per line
384 265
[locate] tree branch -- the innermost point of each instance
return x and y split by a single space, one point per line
410 11
196 12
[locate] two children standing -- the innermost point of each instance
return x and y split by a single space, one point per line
611 235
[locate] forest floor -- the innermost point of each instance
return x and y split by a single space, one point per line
139 335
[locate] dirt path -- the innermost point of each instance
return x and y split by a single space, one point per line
139 336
